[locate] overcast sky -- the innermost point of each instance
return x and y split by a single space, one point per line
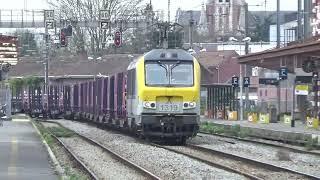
196 4
159 4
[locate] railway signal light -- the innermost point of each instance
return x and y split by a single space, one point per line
246 81
235 82
63 38
68 30
117 39
283 73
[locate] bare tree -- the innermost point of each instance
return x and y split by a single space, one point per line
92 38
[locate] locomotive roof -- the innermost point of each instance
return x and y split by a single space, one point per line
168 54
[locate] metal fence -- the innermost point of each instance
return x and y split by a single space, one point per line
5 101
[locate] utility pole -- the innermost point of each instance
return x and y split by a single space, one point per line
46 61
241 93
168 11
299 21
49 24
191 24
307 16
246 27
247 68
278 23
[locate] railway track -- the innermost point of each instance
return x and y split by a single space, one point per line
250 168
286 147
81 164
116 156
247 167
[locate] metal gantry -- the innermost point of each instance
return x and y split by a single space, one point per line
35 19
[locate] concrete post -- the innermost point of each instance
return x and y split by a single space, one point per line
295 59
241 93
191 24
307 20
278 23
246 67
8 102
299 21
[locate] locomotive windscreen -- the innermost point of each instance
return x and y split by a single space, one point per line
168 73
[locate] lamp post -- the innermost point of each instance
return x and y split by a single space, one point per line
218 69
95 60
246 40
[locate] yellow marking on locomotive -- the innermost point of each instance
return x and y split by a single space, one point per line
176 94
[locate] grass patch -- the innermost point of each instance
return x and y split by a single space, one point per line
71 175
211 128
311 143
234 130
244 132
61 131
45 134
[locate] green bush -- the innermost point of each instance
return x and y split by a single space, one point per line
234 130
211 128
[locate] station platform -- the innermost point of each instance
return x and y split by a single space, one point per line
273 131
22 153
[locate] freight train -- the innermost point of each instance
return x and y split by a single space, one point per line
157 97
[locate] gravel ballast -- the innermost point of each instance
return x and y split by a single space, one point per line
101 163
67 163
161 162
248 168
306 163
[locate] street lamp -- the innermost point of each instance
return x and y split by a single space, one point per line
95 59
246 40
218 67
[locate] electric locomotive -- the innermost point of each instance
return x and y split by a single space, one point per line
163 94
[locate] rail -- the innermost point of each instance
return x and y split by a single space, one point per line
112 153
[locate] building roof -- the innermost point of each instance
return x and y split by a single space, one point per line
271 59
218 66
213 59
73 65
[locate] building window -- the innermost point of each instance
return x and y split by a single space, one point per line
227 1
220 1
266 92
260 93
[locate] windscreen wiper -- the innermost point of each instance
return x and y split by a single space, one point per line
164 66
175 65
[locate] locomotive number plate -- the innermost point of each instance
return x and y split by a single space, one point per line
169 107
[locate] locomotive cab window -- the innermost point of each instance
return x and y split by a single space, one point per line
167 73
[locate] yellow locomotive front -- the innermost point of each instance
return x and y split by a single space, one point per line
168 94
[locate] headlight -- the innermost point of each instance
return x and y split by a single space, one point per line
189 105
149 105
